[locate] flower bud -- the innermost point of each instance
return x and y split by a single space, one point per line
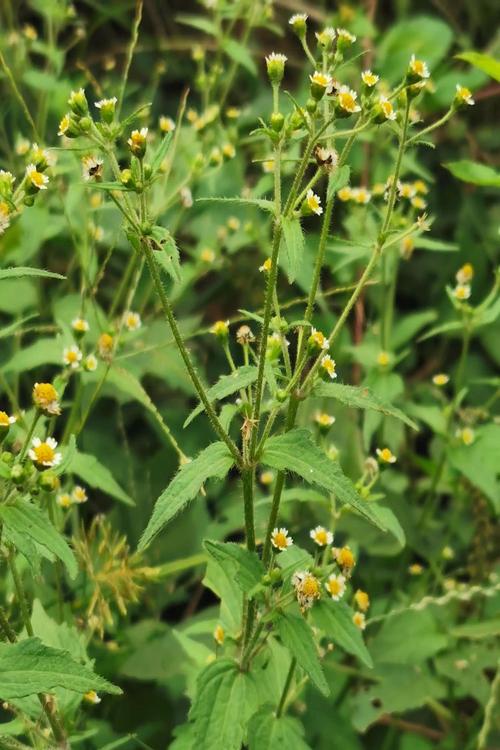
277 122
48 481
107 109
85 124
78 103
137 142
17 473
276 67
298 22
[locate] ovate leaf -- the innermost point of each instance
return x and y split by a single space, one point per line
361 398
27 519
214 461
296 635
296 451
335 620
243 565
266 731
223 697
226 386
29 667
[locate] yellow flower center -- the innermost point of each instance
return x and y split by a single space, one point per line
320 79
387 108
71 356
385 454
64 124
105 342
44 453
44 393
321 537
37 179
280 540
347 101
4 419
310 587
345 558
334 586
319 339
418 67
464 93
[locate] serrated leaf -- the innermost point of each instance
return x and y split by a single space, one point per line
214 461
244 565
220 708
483 62
335 620
296 635
296 451
21 271
166 252
294 244
25 518
95 474
226 386
361 398
29 667
266 731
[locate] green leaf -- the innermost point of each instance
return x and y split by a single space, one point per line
452 325
361 398
93 473
240 55
18 273
486 63
407 326
335 619
475 173
225 386
479 461
220 708
161 152
427 37
166 252
296 635
13 327
197 22
338 179
214 461
294 244
266 731
29 667
477 630
29 520
262 203
296 451
245 566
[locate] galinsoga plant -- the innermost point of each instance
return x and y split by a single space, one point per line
282 607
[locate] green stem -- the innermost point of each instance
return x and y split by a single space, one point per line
130 54
29 435
169 314
286 688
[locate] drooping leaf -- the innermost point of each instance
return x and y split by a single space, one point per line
296 635
223 698
486 63
245 565
294 244
240 55
296 451
27 519
361 398
214 461
95 474
266 731
335 620
29 667
18 273
474 172
226 386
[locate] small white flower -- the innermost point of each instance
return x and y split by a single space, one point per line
132 321
37 179
280 539
72 356
79 495
106 102
314 202
91 167
335 586
44 452
321 536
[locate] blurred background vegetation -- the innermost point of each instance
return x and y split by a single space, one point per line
51 51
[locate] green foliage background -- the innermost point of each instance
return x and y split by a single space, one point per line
415 697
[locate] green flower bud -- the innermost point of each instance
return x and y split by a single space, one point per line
107 109
276 67
6 457
48 481
85 124
17 473
277 121
78 103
